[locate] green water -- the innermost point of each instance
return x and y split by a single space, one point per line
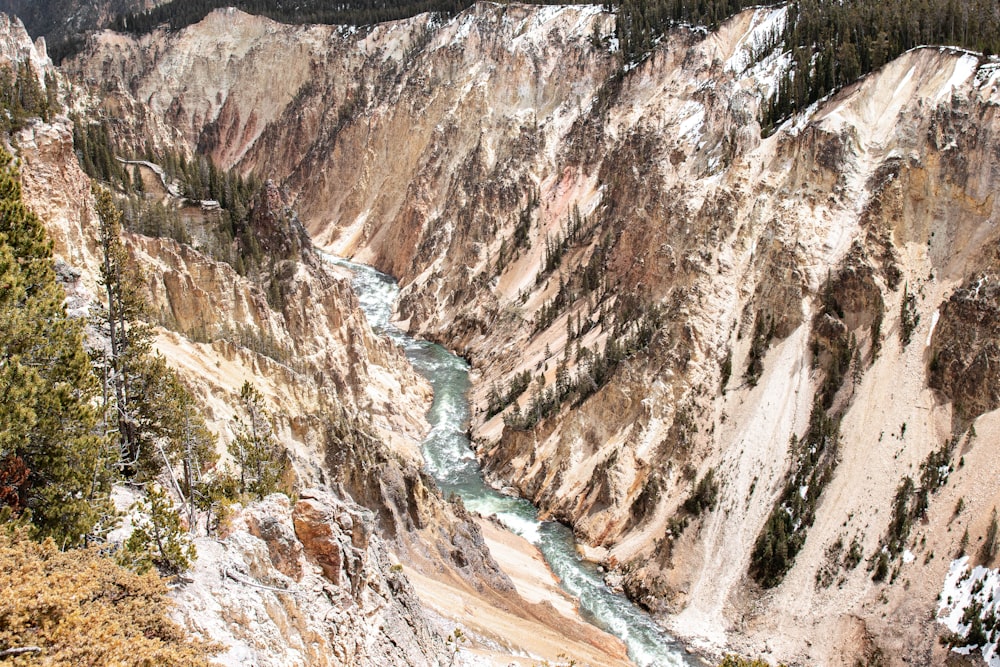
451 462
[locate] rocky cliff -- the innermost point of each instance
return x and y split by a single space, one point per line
718 356
295 583
306 584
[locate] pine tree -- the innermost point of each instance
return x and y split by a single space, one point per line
55 463
990 544
148 411
158 538
124 365
137 183
22 96
191 448
258 456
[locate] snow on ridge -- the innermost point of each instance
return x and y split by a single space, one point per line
587 14
537 26
766 25
943 48
987 74
464 28
531 27
964 70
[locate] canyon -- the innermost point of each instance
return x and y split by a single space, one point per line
717 355
349 411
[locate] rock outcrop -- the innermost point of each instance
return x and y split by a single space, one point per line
965 350
308 583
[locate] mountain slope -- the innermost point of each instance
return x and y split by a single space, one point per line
667 298
348 410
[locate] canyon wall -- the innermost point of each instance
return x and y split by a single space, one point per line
718 356
347 408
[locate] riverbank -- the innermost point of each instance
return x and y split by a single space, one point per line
541 555
549 628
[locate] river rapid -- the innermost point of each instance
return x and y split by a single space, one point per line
450 460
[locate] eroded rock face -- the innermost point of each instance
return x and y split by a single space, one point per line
283 545
294 586
16 46
965 350
459 156
314 527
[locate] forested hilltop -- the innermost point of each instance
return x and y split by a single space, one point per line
180 13
64 23
829 43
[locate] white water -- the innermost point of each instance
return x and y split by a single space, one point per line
450 461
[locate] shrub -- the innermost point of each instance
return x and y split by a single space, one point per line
736 661
81 608
908 316
705 494
989 550
763 332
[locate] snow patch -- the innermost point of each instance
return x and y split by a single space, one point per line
798 122
961 596
904 82
965 68
464 28
586 14
934 320
692 127
986 74
765 32
767 73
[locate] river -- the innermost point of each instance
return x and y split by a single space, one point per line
450 460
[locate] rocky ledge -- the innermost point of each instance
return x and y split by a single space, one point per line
305 582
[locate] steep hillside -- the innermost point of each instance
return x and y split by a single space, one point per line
719 357
348 410
309 584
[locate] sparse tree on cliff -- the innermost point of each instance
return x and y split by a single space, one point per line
137 183
148 410
129 338
258 456
159 538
